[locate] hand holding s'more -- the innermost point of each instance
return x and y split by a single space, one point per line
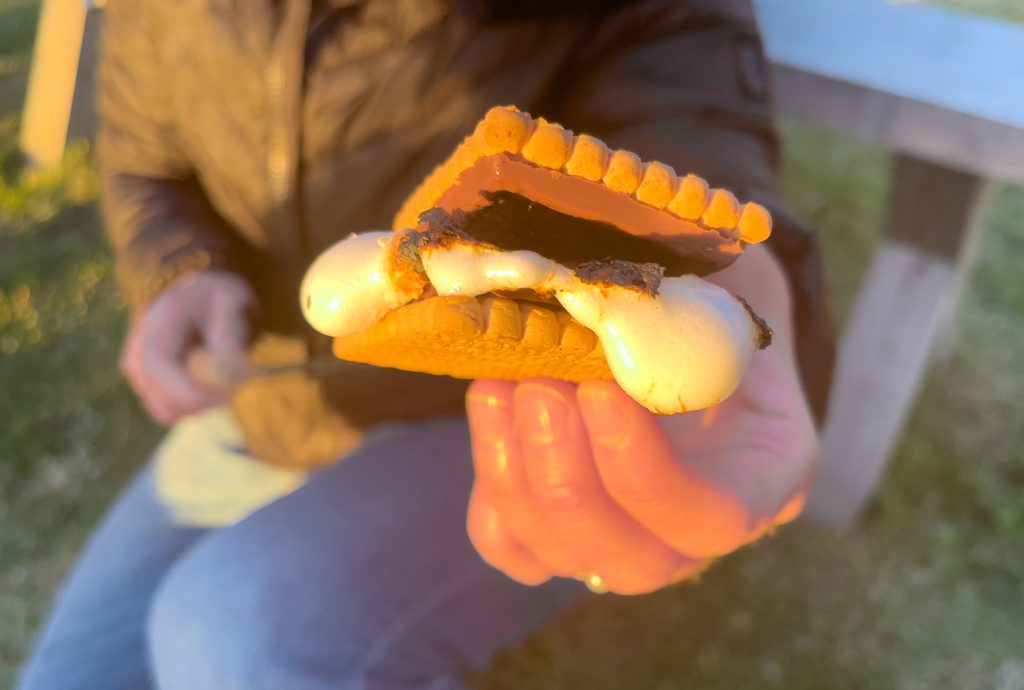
593 294
533 252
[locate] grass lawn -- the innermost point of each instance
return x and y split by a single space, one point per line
926 594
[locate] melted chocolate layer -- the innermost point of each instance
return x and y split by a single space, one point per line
705 250
511 221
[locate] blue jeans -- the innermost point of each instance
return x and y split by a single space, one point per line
363 578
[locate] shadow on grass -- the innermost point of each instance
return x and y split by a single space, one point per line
758 619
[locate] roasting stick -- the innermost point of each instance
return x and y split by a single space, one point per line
227 371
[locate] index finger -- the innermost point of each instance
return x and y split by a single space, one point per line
501 475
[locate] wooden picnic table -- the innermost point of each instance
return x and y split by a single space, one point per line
945 92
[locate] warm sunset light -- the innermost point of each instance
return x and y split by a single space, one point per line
397 345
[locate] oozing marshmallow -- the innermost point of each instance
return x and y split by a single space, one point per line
349 287
465 269
684 348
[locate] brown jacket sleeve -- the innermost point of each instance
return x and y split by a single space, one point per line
158 218
686 83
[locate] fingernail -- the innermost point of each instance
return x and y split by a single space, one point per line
609 420
542 413
488 411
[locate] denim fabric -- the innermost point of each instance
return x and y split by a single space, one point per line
363 578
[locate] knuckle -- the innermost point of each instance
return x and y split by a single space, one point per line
230 286
502 489
241 293
159 414
150 363
160 306
629 489
126 363
560 498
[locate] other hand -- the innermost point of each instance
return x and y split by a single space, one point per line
210 310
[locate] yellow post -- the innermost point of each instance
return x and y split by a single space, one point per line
51 86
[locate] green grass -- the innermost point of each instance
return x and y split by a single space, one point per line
925 595
70 431
1010 10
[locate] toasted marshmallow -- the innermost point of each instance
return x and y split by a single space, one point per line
350 287
684 348
471 270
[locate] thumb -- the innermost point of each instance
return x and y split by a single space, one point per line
222 370
227 326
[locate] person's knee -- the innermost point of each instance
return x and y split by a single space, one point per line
223 620
191 642
219 622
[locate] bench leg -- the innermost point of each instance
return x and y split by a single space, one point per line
51 88
904 309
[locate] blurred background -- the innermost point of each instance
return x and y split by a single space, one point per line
925 592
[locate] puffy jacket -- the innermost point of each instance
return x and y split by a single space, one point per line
248 135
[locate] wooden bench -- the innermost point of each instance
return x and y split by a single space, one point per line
945 92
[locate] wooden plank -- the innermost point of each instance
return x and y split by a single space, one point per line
902 318
942 212
882 357
938 85
956 61
51 86
939 211
933 208
955 140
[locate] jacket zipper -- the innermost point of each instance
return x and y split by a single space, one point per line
277 149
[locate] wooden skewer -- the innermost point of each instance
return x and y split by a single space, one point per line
227 371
